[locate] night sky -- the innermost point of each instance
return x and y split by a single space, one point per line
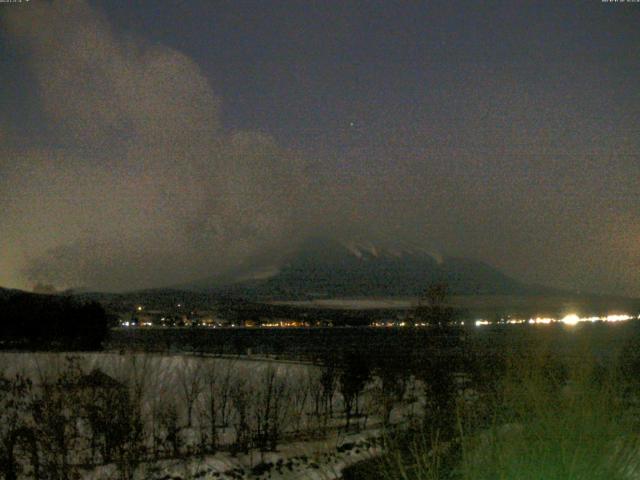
150 143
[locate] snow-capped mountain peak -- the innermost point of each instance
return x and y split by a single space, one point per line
364 249
331 268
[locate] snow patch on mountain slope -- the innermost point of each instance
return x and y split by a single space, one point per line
363 249
259 274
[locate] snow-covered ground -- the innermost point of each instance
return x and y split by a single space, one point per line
310 446
312 460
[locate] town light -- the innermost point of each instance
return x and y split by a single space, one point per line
571 319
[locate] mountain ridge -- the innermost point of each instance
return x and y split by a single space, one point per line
322 267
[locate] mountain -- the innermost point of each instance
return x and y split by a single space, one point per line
325 268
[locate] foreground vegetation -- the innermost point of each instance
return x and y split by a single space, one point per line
85 415
522 402
544 415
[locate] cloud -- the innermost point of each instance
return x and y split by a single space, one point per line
121 174
95 86
136 182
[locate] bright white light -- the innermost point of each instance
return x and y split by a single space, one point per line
572 319
617 318
543 320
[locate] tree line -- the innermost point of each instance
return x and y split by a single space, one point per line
133 410
31 321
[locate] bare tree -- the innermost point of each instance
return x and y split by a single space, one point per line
316 391
224 391
155 406
271 398
354 376
190 381
130 403
325 382
168 420
138 376
56 418
393 373
301 388
241 397
211 380
328 383
16 428
155 432
280 410
125 436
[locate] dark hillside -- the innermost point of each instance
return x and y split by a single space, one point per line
35 321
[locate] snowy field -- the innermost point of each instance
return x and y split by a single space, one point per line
202 417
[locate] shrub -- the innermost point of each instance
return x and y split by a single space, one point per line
552 418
